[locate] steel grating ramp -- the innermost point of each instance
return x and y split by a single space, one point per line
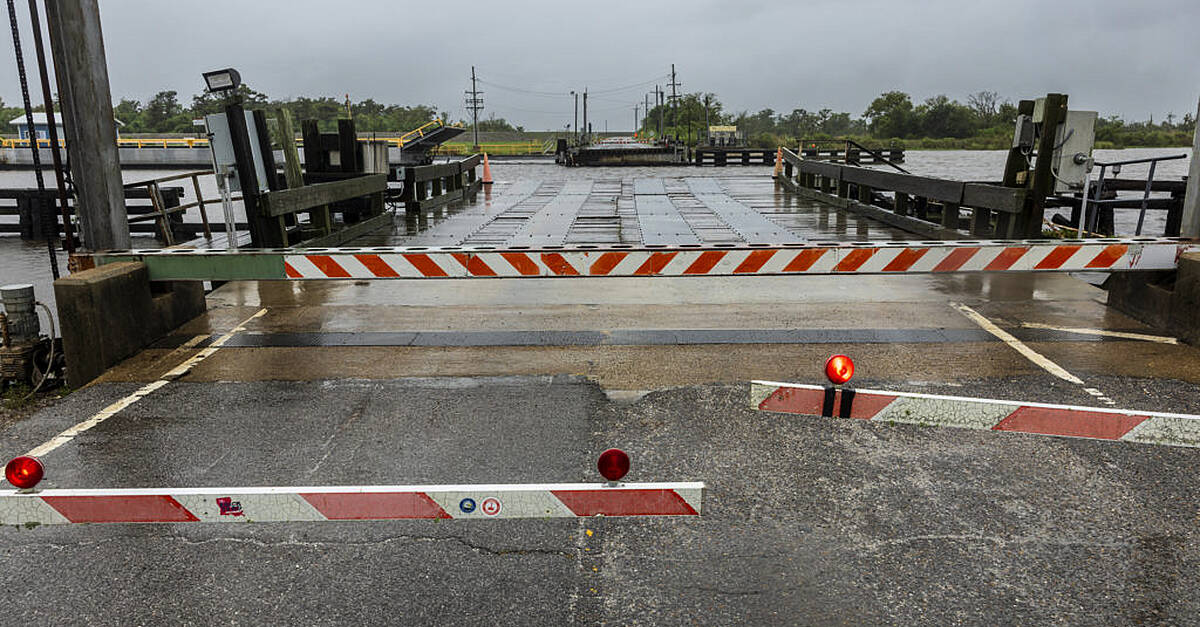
750 225
659 220
455 231
552 223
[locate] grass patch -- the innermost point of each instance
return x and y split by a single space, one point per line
17 396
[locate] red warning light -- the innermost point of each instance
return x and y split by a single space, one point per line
613 464
24 472
839 369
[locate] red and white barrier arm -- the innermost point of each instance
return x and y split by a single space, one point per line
981 413
286 504
904 257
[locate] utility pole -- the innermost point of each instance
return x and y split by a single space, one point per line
707 133
658 96
474 105
77 44
636 108
576 134
646 108
675 101
586 129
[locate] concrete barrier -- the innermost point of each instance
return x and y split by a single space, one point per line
1169 301
111 312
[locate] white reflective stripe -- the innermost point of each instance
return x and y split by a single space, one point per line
303 266
18 509
728 263
353 267
981 259
513 504
677 263
877 261
400 265
498 264
927 262
825 263
449 264
244 507
1175 430
694 495
777 262
1027 260
963 413
630 263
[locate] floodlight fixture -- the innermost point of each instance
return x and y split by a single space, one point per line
227 79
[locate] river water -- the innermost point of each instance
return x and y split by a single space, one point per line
27 262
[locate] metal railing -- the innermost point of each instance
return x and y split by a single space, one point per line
528 148
162 212
1090 209
914 200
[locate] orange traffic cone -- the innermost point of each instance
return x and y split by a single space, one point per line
487 170
778 162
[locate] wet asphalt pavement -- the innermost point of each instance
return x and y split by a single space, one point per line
806 520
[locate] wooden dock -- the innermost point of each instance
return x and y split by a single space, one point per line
634 154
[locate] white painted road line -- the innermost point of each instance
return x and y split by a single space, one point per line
1161 339
1041 360
142 392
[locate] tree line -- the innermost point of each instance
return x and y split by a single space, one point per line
166 113
985 120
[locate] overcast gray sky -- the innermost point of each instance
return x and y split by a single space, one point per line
1129 57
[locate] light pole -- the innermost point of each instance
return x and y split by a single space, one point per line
576 137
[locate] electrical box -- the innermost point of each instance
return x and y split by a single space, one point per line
1025 131
1073 143
220 139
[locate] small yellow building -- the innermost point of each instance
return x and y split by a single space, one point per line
726 136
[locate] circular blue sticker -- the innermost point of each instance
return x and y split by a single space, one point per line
467 505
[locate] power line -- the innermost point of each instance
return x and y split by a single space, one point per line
507 107
556 94
529 92
632 86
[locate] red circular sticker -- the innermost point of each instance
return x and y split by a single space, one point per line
490 506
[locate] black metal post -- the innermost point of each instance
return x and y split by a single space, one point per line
33 140
52 127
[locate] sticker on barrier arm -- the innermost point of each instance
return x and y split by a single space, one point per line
990 414
275 504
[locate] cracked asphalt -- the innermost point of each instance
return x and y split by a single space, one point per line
806 520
